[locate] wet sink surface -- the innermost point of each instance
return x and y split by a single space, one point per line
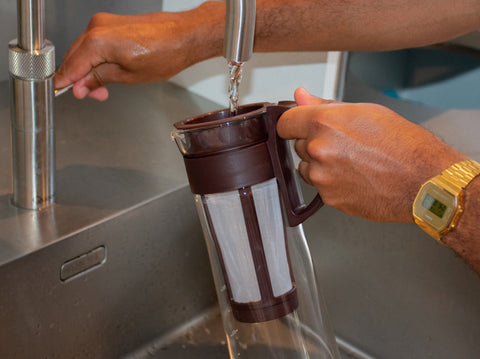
203 337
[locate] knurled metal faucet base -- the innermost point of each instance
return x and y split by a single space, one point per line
31 65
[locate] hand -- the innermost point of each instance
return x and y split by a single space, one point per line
139 48
363 159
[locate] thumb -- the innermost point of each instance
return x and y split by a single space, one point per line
303 97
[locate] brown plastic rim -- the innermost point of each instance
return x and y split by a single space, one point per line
216 132
221 117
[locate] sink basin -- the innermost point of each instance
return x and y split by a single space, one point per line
118 267
119 259
203 337
200 337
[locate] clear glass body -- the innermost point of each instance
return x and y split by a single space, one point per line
303 330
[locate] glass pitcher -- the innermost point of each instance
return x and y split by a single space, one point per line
251 210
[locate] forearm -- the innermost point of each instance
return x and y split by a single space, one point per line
360 25
465 238
351 25
154 47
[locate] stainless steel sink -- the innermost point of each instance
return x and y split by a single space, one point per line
200 337
203 337
117 268
119 259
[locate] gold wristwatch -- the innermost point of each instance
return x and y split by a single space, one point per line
439 203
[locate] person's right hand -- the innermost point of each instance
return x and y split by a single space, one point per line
363 158
135 49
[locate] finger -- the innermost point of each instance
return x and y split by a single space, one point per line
86 85
301 150
97 78
100 94
109 73
73 72
81 61
62 76
304 170
297 122
303 97
79 90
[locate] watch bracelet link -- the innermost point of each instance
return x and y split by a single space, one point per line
462 173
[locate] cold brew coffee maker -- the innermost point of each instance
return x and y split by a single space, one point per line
251 211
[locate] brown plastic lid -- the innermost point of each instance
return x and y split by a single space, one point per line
219 131
224 153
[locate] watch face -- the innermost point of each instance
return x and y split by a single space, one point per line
435 206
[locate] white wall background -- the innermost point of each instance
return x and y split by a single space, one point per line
267 77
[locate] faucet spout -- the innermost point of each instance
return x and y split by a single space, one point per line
239 30
31 68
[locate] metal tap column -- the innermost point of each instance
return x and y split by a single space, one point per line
239 30
32 66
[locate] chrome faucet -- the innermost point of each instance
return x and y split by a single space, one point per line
239 30
31 67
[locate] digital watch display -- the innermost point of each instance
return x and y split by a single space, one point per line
434 206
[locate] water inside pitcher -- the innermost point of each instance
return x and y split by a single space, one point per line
251 212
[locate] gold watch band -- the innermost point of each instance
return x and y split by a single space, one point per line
462 173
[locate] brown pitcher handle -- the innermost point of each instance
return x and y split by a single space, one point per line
284 169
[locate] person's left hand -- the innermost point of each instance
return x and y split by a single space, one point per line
132 49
